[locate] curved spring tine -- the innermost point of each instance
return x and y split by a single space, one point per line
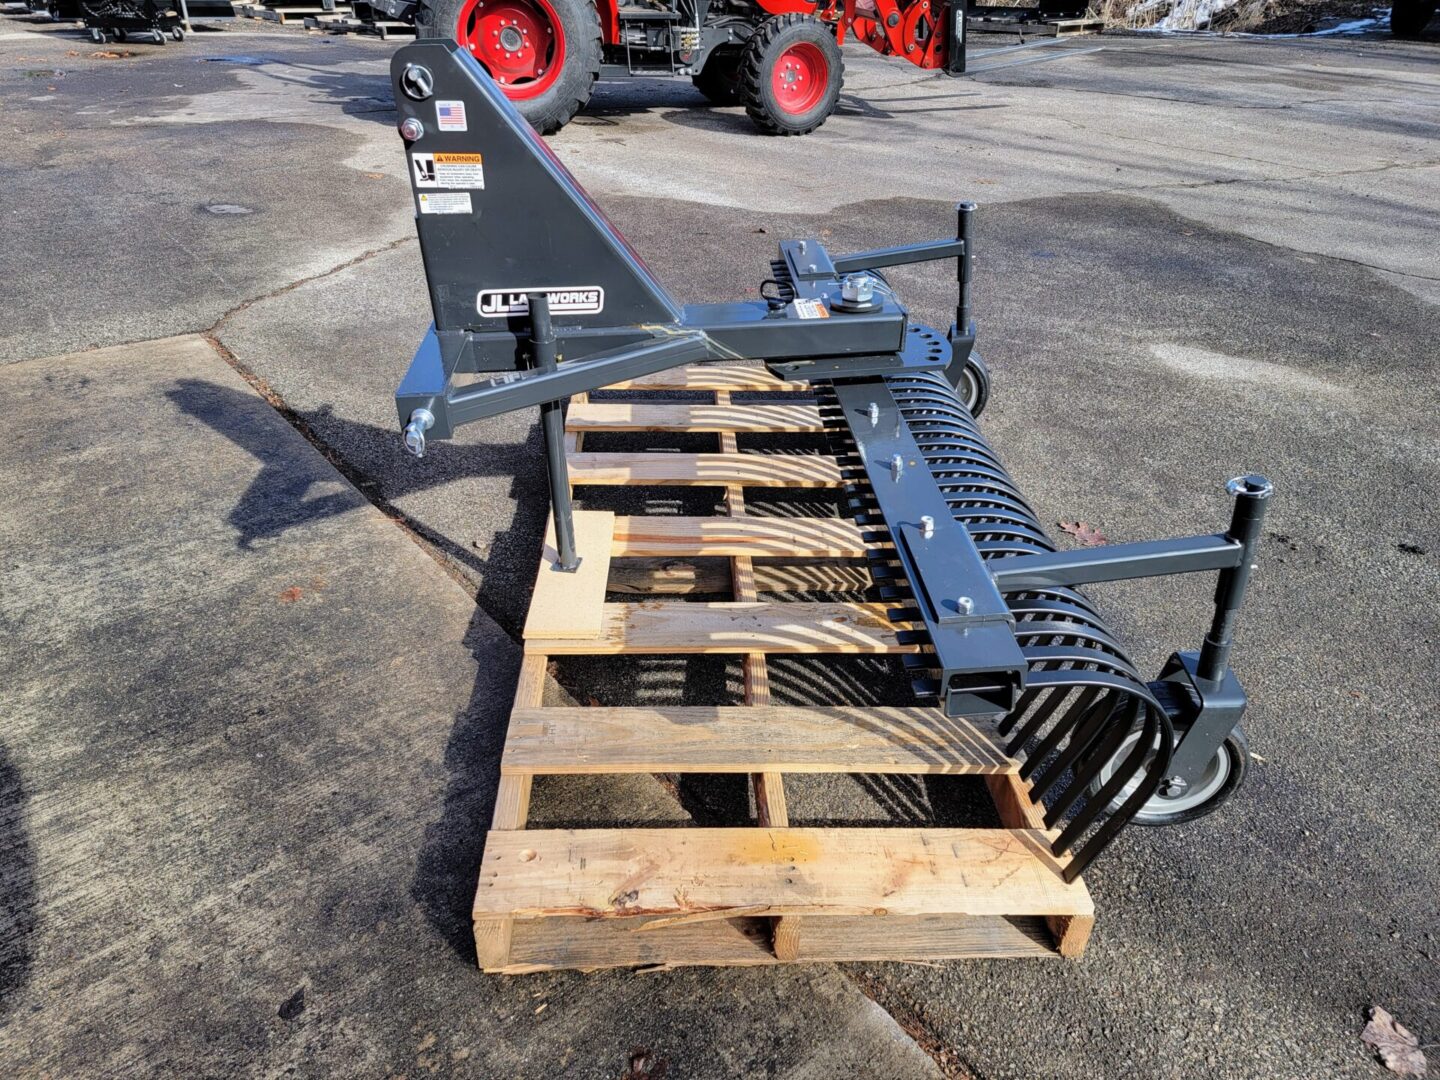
1076 715
1120 818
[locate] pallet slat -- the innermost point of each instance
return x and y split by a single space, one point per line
746 739
608 416
702 377
697 874
695 537
706 470
550 944
660 628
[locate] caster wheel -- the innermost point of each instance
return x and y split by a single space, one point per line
159 36
974 385
178 33
1223 775
97 35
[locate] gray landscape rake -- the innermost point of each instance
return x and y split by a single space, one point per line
538 301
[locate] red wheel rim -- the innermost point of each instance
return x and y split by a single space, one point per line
519 42
799 77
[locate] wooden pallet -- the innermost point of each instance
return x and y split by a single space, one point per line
385 28
306 14
768 893
1008 24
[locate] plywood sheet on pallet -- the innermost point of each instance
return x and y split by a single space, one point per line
570 603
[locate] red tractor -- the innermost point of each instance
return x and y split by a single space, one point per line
779 58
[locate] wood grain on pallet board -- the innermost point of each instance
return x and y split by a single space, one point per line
618 416
698 537
561 943
657 628
746 738
568 604
716 873
707 470
709 377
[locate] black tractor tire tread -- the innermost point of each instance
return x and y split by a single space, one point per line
719 79
752 65
552 110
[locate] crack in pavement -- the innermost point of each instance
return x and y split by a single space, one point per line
214 328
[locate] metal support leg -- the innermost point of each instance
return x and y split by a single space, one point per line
1207 700
965 265
1252 495
552 423
956 11
962 330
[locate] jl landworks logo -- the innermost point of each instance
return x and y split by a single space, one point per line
579 300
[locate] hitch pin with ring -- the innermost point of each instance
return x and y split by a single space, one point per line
421 421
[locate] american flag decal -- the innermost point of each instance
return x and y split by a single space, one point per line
450 115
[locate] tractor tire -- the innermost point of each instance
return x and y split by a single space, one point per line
790 74
547 83
719 79
1409 18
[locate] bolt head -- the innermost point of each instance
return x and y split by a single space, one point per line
857 288
411 129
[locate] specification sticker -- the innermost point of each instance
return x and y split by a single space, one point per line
445 202
448 171
811 309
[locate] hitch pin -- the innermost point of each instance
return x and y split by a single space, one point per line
421 421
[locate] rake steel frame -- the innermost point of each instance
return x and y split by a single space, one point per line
537 244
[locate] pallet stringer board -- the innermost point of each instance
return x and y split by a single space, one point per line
771 810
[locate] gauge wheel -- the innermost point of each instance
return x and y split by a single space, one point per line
543 54
974 386
790 74
1222 776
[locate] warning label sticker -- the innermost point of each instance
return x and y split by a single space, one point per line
445 202
448 171
450 115
811 309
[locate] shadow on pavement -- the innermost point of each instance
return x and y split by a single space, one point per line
18 919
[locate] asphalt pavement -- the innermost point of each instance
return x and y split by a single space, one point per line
1197 257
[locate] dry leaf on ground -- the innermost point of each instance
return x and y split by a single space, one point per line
1393 1043
1087 534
